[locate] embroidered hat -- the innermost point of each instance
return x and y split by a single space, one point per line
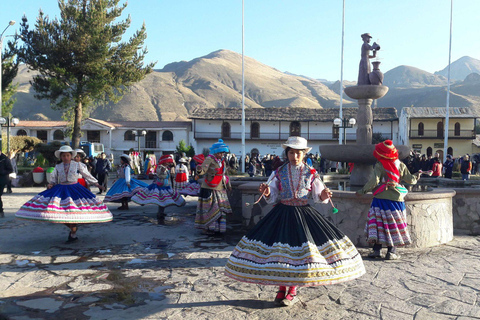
199 158
65 149
166 158
385 150
298 143
80 152
219 147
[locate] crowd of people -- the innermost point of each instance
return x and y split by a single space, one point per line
433 166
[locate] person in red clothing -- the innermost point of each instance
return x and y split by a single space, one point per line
437 168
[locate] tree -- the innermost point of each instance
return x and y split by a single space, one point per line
183 149
23 143
9 72
80 56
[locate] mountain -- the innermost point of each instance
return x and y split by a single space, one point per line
215 81
408 77
461 68
211 81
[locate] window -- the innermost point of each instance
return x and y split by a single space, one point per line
93 136
295 128
21 132
58 135
42 135
255 130
225 130
129 136
167 136
457 129
429 151
151 139
420 129
450 151
335 132
440 129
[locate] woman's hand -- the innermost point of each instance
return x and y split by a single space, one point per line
49 186
264 189
326 193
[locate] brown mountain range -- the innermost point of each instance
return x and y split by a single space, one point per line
215 81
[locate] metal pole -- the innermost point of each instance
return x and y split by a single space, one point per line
8 135
447 115
341 71
243 86
11 23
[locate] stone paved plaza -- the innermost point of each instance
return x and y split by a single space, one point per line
134 268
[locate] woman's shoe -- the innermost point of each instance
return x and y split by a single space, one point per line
375 255
71 239
122 207
280 296
290 300
392 256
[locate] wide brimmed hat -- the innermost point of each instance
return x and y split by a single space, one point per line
385 150
166 158
219 147
366 35
183 160
298 143
80 152
65 149
199 158
126 157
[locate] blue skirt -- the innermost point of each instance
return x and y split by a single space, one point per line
160 196
120 191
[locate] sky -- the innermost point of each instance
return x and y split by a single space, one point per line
302 37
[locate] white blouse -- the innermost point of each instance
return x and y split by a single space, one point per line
70 174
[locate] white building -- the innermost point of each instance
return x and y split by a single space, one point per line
267 128
161 137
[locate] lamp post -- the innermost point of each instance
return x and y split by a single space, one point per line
11 23
137 134
10 122
344 123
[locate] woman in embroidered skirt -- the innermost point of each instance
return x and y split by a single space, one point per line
213 205
159 192
125 187
193 187
181 175
66 201
387 219
293 245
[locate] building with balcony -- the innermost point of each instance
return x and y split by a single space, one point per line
267 128
423 129
161 137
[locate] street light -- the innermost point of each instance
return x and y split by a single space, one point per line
137 135
345 123
10 122
11 23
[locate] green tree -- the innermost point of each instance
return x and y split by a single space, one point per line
22 144
9 72
81 58
47 150
183 149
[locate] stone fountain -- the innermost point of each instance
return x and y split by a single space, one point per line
369 87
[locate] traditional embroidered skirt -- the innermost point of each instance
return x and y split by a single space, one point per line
387 223
191 189
120 191
65 204
294 246
181 180
160 196
212 209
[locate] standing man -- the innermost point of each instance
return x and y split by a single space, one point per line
5 170
102 168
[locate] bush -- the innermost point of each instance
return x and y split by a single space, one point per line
47 150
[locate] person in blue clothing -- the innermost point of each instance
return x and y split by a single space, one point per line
448 167
102 168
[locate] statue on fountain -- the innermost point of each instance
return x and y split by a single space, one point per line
364 67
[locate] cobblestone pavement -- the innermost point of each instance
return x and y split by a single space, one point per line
135 268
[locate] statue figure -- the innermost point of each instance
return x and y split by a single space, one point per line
364 68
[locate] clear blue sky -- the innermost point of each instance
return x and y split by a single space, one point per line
302 37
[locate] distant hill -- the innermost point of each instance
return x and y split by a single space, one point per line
461 68
215 81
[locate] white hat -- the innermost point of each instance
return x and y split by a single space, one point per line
126 156
65 149
80 151
184 160
298 143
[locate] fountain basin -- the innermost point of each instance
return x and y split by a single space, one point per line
356 153
366 91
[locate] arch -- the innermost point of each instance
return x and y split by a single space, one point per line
128 136
226 130
58 135
450 151
440 129
167 135
457 129
21 132
295 128
254 153
429 151
255 130
421 129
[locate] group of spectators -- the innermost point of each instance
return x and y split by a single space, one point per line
432 165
